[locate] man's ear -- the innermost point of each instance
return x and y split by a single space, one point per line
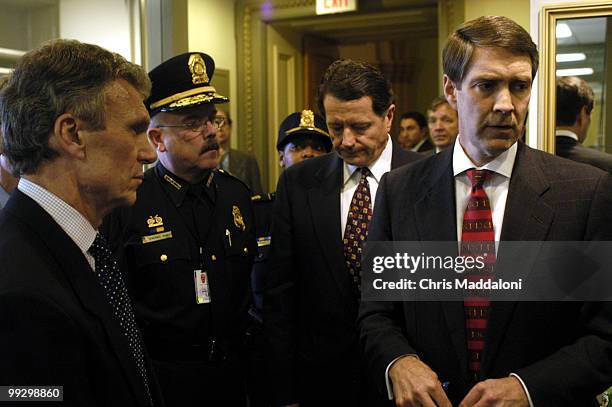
66 138
450 91
156 136
281 159
389 116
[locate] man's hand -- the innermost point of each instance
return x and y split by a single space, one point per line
415 384
506 392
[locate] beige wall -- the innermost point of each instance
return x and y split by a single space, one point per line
211 30
518 10
102 22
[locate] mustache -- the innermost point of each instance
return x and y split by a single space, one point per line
210 145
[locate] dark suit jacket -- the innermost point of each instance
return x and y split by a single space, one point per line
426 146
561 350
309 306
244 167
56 326
571 149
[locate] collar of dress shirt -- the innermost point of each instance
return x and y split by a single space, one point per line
567 133
69 219
502 164
378 168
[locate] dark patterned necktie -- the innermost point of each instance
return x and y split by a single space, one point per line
116 293
356 231
477 239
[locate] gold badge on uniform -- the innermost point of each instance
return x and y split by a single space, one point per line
156 222
238 221
197 67
307 119
156 230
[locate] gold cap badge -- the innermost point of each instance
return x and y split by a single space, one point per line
197 67
307 119
238 221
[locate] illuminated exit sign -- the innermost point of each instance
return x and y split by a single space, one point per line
335 6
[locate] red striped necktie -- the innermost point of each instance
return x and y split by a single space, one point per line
477 239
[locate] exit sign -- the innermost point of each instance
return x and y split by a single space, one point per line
335 6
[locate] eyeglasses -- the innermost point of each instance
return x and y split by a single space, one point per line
197 126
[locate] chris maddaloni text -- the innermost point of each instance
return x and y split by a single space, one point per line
444 284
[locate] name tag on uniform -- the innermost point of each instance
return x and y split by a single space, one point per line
202 289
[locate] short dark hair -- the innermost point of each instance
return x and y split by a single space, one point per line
485 32
572 95
417 117
346 79
228 119
58 77
437 102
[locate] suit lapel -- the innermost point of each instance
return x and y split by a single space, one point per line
324 203
436 219
527 218
75 268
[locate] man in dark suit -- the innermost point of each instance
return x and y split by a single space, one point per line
74 127
312 292
413 133
240 164
575 101
490 353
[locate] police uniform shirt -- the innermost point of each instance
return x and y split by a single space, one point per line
173 230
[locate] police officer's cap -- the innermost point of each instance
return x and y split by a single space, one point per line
182 82
302 123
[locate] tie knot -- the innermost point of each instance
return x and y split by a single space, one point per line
98 246
478 177
365 171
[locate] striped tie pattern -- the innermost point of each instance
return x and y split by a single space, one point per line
356 231
477 239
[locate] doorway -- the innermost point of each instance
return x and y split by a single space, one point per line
290 48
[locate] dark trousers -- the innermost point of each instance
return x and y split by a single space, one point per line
186 384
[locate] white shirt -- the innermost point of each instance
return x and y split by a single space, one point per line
351 179
496 187
567 133
69 219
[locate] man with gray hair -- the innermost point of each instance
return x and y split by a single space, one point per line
74 127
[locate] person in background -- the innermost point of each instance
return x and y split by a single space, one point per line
8 182
188 244
242 165
413 133
74 127
443 124
575 102
301 136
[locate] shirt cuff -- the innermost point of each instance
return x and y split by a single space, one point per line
524 388
388 380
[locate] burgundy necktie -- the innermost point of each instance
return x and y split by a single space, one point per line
477 239
356 231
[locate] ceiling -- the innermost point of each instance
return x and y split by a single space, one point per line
387 20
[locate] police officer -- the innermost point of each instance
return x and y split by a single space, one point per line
302 135
188 244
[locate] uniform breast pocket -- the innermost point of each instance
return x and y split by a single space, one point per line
158 254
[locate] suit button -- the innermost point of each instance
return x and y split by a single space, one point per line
163 257
246 251
213 257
